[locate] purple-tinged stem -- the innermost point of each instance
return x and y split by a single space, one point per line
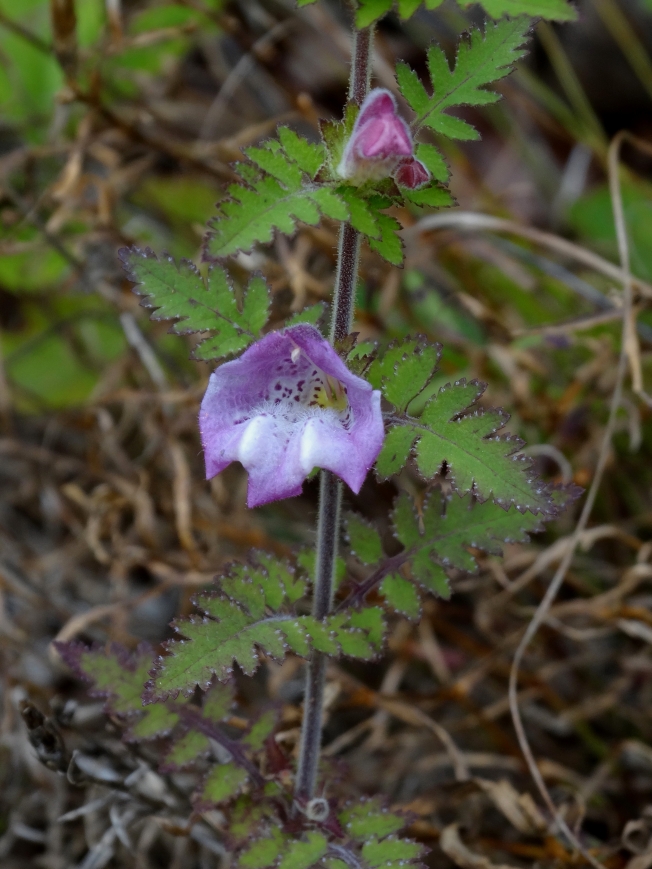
330 490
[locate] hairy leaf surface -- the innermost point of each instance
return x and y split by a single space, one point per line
481 60
177 291
555 10
450 433
251 614
446 529
275 191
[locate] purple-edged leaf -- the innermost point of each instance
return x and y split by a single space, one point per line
251 616
119 677
451 434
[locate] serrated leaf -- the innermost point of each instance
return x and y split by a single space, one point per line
309 156
369 819
401 595
218 702
452 128
306 558
371 10
119 677
364 540
260 730
481 60
264 851
434 161
312 314
303 854
361 216
404 370
553 10
185 750
222 783
390 850
395 451
242 620
431 195
177 291
448 528
389 245
477 458
274 196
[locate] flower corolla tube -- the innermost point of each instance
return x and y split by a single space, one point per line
287 405
379 140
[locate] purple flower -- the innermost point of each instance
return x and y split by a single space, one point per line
411 173
288 405
380 139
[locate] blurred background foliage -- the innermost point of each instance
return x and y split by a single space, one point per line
117 127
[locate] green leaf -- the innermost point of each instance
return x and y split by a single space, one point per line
401 595
390 850
412 89
362 217
476 457
312 314
389 245
481 60
274 193
395 451
260 730
370 11
431 195
404 370
222 783
442 536
264 851
251 613
178 292
434 161
185 750
303 854
309 156
119 677
364 540
553 10
369 819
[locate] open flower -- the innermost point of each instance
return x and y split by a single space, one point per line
288 405
380 139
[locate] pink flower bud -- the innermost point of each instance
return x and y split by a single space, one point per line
380 139
411 173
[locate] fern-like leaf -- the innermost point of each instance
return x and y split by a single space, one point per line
451 434
177 291
250 613
445 531
118 677
481 60
276 190
555 10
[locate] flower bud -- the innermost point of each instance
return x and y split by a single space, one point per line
380 139
411 173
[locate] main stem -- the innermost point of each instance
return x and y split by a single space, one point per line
330 488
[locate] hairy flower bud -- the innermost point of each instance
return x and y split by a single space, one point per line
411 173
288 405
380 139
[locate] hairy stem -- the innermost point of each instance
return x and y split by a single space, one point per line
330 491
